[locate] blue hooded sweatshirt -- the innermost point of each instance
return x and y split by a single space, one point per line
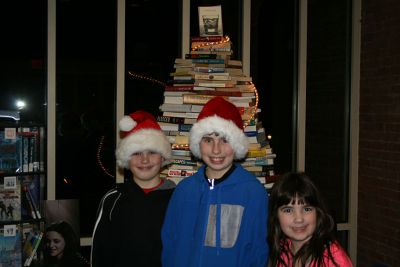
220 225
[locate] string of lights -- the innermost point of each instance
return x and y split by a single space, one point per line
134 75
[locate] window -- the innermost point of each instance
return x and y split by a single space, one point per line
327 141
23 58
85 90
152 34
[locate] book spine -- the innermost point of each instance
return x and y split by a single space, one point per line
41 150
178 88
209 69
34 205
214 49
256 153
175 107
177 82
184 162
208 61
177 152
29 202
28 261
202 56
218 53
196 99
25 155
213 77
215 84
184 127
207 38
180 173
32 152
182 77
219 93
170 119
260 173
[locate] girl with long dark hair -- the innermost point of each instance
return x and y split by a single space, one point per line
301 231
62 247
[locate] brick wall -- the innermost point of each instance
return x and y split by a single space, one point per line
379 147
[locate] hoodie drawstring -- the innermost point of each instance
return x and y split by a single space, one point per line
218 223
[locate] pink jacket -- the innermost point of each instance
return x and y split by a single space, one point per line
337 252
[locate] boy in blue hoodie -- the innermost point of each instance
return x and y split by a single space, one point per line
218 216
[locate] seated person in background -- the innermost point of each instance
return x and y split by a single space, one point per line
62 247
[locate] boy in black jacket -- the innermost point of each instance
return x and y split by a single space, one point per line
129 220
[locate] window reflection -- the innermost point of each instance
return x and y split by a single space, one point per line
86 49
328 96
153 34
23 53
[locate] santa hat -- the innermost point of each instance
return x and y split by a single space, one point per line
222 117
140 131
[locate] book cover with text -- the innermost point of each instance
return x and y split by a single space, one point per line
10 199
10 246
10 150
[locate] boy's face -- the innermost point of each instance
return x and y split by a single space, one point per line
217 154
145 167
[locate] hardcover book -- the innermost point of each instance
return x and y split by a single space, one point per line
10 199
10 246
31 195
187 88
203 56
223 76
175 107
208 61
195 39
175 127
180 173
10 150
170 119
31 246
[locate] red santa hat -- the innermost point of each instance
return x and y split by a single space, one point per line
219 116
140 131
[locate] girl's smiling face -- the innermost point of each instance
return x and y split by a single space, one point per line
298 222
55 244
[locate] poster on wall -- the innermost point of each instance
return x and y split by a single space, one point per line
62 210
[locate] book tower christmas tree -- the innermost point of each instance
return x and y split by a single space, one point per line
208 71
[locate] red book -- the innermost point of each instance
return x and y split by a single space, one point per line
178 88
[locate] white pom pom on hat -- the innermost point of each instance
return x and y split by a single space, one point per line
140 131
127 123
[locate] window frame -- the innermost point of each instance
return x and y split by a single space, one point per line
351 225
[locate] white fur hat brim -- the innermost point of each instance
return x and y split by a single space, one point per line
141 140
227 128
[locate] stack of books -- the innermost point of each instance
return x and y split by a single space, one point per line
206 72
260 157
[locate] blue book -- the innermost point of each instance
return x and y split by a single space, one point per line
10 248
10 153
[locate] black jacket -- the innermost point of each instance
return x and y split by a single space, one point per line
128 226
